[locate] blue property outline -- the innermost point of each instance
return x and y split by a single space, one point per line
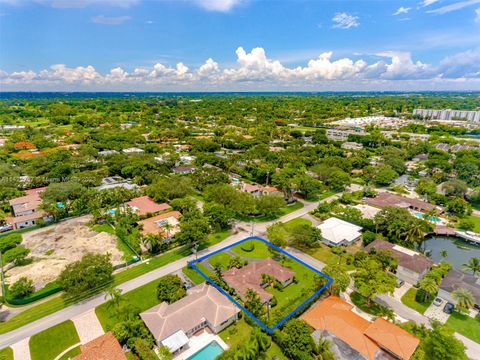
267 329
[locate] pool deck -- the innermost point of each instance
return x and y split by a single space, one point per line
198 342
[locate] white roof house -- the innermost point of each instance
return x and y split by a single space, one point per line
336 232
133 150
368 212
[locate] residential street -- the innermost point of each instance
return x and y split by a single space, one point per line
473 349
77 309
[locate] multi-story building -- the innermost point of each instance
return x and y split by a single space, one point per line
448 114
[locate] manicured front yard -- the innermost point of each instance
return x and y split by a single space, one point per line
71 354
465 325
409 300
259 250
281 212
325 255
49 343
221 258
361 302
194 276
143 298
294 294
6 354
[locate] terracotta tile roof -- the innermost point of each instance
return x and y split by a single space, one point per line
151 226
387 199
406 257
33 195
335 316
105 347
144 205
33 216
392 338
250 277
203 302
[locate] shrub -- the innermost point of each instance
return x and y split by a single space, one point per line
17 254
9 242
248 246
21 288
170 289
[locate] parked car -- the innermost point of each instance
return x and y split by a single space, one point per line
6 227
448 308
400 283
437 301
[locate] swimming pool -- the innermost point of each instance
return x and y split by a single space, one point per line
429 218
209 352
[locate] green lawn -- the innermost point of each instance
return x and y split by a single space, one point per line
143 298
325 255
289 225
6 354
193 275
58 303
409 300
221 258
239 333
465 325
260 251
291 296
69 355
361 302
49 343
476 221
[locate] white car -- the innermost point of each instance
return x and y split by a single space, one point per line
437 301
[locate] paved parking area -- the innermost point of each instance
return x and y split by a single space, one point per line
436 312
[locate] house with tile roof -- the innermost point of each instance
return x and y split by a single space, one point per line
105 347
411 266
379 339
145 205
157 225
250 277
26 209
203 307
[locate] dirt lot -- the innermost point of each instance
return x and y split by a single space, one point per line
53 247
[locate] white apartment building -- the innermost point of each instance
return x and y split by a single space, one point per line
448 114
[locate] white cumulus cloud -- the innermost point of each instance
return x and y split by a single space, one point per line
402 10
477 16
345 21
255 70
218 5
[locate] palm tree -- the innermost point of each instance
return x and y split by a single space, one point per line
168 228
263 341
321 349
473 265
415 233
428 285
464 298
443 253
115 296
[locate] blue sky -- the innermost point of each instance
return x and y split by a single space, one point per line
252 45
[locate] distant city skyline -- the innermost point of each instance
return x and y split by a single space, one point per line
239 45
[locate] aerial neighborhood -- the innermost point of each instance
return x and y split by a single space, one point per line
242 227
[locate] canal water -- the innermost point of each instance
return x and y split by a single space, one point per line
459 251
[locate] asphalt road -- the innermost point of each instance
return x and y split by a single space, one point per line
77 309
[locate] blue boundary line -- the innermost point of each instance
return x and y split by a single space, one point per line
263 326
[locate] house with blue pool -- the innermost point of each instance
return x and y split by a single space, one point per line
189 326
